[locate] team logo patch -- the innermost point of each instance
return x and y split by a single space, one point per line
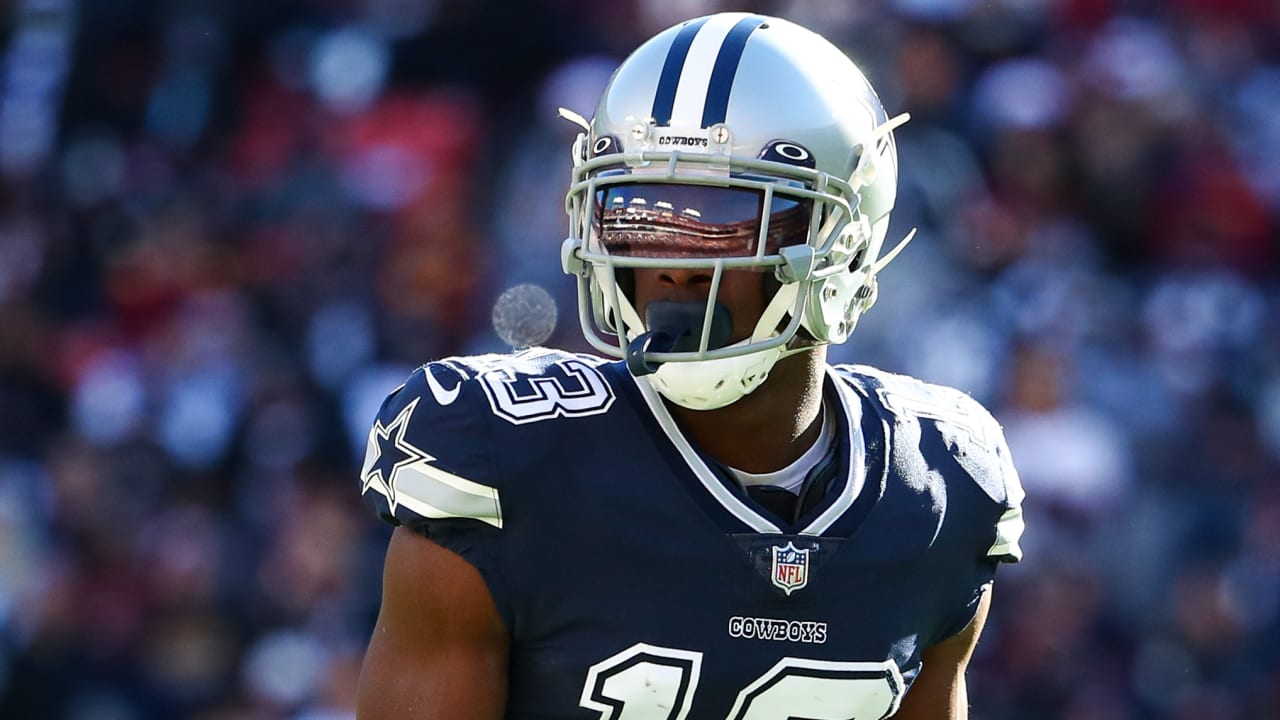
790 567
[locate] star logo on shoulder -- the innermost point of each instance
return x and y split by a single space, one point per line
388 453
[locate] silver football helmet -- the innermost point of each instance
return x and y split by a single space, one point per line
726 143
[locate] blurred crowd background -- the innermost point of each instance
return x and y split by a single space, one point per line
228 227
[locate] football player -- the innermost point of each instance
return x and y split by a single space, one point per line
710 521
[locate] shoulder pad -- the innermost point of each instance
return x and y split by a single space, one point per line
968 430
428 455
432 450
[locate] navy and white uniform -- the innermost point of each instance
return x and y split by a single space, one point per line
636 577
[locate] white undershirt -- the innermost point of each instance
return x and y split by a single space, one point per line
792 477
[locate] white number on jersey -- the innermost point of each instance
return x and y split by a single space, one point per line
569 388
648 682
642 682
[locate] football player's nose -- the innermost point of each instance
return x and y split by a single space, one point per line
696 279
675 284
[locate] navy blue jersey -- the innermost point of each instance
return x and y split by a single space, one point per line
638 580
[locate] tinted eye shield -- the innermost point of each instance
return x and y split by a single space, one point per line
738 222
723 193
691 221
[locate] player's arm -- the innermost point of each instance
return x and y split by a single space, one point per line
439 649
938 692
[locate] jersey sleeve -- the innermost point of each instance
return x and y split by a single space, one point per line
461 453
430 466
990 464
428 457
979 447
973 439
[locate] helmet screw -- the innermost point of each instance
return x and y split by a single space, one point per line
639 131
720 134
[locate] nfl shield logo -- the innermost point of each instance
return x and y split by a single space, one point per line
790 567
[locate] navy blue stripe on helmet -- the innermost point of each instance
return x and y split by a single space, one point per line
716 106
665 99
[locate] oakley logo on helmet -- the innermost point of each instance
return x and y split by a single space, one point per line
604 145
785 151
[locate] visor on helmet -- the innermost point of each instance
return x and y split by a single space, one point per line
665 220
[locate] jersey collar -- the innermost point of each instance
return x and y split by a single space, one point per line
841 496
